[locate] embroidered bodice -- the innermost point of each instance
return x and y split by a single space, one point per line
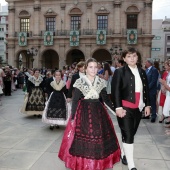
90 90
35 81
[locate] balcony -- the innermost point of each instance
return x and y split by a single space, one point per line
29 34
81 32
139 31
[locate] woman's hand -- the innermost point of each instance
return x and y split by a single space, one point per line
163 82
120 112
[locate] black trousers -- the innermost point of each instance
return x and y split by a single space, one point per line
7 85
129 124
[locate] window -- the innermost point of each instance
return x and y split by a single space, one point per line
168 38
50 24
1 29
157 38
75 22
24 24
155 49
1 38
102 22
132 21
168 50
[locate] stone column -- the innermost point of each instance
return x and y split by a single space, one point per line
87 51
11 55
148 16
37 9
62 57
11 19
117 18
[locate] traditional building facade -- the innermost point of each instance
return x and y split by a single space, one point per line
57 33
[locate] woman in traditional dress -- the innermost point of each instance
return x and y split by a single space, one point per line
163 91
89 141
34 103
55 112
166 84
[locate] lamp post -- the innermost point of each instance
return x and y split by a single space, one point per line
32 52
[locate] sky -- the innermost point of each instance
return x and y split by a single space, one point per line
161 8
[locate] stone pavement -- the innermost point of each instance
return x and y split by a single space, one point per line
28 144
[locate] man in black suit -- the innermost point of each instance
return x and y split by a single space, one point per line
80 73
152 76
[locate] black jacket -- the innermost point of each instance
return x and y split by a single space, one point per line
123 86
73 80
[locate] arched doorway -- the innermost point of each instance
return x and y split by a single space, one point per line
74 56
50 59
23 60
102 55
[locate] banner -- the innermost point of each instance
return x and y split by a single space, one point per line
48 38
22 38
101 37
132 36
74 38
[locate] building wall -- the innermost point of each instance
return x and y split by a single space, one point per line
117 20
3 34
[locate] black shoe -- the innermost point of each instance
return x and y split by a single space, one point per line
145 117
133 169
57 127
51 127
124 160
152 120
167 123
160 121
39 116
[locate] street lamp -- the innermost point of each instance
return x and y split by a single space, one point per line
32 52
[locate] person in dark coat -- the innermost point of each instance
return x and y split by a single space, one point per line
80 67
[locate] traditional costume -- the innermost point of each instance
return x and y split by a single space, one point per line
89 141
130 92
34 102
56 111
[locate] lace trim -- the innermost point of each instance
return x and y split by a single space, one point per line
89 90
56 86
35 81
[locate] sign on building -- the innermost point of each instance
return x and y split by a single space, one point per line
48 38
101 37
132 36
74 38
22 39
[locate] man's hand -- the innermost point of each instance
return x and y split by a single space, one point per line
147 111
120 112
68 100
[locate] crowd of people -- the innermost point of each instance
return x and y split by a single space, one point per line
80 96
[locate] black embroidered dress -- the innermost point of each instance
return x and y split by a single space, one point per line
89 141
55 111
34 102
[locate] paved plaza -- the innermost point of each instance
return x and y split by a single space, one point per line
28 144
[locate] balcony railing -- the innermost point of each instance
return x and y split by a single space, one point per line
29 34
139 31
81 32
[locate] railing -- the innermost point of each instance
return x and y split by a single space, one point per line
81 32
29 34
139 31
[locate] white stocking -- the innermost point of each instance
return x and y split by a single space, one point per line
128 149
